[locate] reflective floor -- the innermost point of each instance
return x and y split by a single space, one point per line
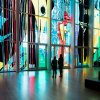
41 86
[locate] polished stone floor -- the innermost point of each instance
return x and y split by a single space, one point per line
39 85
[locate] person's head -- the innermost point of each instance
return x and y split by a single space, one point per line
60 55
54 57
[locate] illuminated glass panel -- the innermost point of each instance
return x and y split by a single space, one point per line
67 57
61 18
76 0
56 51
96 44
81 32
34 4
96 33
23 6
7 36
43 30
23 36
96 38
54 36
97 4
33 23
10 56
96 56
42 56
61 29
43 8
76 13
38 26
96 18
32 55
34 28
2 21
76 34
52 52
23 49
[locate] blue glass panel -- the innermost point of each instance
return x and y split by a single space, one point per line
97 4
2 21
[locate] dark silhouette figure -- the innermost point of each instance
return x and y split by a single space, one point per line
54 66
60 64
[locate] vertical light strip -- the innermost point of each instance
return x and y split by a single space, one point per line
17 34
27 31
91 24
73 34
3 41
49 34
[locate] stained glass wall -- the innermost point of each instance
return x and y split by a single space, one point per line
96 33
7 35
38 22
34 26
61 30
33 31
81 32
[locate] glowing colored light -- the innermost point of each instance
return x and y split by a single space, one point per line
2 21
2 38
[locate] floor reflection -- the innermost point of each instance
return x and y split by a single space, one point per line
39 85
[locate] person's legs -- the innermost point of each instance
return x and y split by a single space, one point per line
53 74
60 72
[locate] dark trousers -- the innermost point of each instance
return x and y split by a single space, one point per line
54 72
60 72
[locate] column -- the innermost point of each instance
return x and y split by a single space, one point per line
49 35
91 24
17 34
73 33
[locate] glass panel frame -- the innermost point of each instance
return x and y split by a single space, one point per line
42 57
81 60
56 51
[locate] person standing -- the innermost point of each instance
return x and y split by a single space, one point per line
54 66
60 64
